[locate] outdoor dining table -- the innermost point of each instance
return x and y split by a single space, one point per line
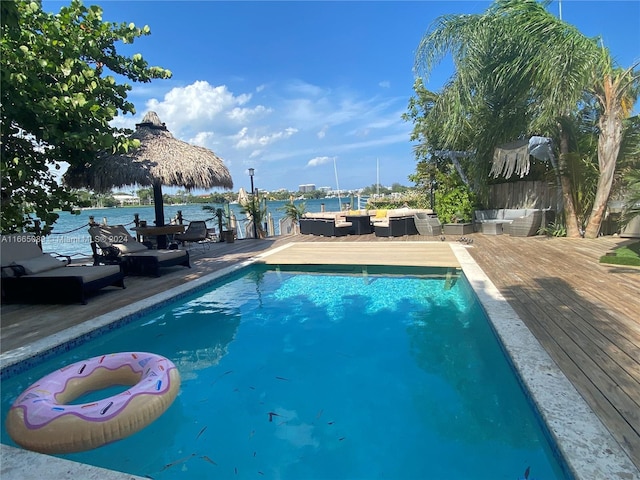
360 224
160 233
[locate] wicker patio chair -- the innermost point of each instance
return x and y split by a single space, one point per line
427 224
196 232
524 226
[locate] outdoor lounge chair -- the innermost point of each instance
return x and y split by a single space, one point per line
30 276
114 244
196 232
427 224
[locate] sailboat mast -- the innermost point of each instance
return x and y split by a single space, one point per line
335 169
377 177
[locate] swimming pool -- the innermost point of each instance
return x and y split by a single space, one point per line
586 445
341 374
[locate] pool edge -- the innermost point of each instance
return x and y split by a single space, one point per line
585 444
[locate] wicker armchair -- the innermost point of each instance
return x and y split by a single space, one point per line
427 224
524 226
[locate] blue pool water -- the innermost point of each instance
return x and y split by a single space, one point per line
307 375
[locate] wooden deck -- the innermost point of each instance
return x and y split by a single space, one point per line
586 315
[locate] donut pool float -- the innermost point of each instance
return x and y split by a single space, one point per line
43 420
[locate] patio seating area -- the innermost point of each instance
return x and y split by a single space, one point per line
384 223
517 222
112 244
28 275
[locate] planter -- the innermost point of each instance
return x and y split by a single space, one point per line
228 236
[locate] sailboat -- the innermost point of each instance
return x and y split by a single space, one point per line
335 169
242 197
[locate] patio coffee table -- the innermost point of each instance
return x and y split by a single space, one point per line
458 228
360 224
491 228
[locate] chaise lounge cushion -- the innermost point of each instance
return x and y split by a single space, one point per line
41 263
131 247
87 273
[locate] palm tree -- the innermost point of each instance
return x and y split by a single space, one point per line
294 212
616 91
519 71
257 212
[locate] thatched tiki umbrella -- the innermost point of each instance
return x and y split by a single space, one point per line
160 160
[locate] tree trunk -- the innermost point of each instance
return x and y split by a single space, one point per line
609 142
571 219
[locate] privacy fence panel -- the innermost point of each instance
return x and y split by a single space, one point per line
524 195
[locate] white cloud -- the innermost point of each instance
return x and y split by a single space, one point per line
290 125
196 105
314 162
385 84
323 132
244 115
300 87
202 139
245 140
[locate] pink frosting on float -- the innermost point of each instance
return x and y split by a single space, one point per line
40 406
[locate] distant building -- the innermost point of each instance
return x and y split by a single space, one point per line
125 198
310 187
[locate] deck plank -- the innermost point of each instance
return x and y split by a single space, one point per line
586 315
583 313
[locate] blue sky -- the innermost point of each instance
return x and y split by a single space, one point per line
293 88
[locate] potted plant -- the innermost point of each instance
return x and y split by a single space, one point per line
257 213
294 213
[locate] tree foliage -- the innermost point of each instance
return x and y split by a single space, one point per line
520 71
59 93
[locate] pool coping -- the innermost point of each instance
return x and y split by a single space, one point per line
586 446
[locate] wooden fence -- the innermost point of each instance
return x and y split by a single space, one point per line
525 194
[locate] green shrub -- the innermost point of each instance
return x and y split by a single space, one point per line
554 230
454 205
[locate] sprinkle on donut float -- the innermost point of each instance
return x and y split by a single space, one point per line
42 420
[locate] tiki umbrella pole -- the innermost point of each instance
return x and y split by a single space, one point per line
158 205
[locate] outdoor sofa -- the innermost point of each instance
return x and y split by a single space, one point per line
386 222
396 227
31 276
326 224
112 244
517 222
396 222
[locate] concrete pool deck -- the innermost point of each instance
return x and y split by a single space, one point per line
585 442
